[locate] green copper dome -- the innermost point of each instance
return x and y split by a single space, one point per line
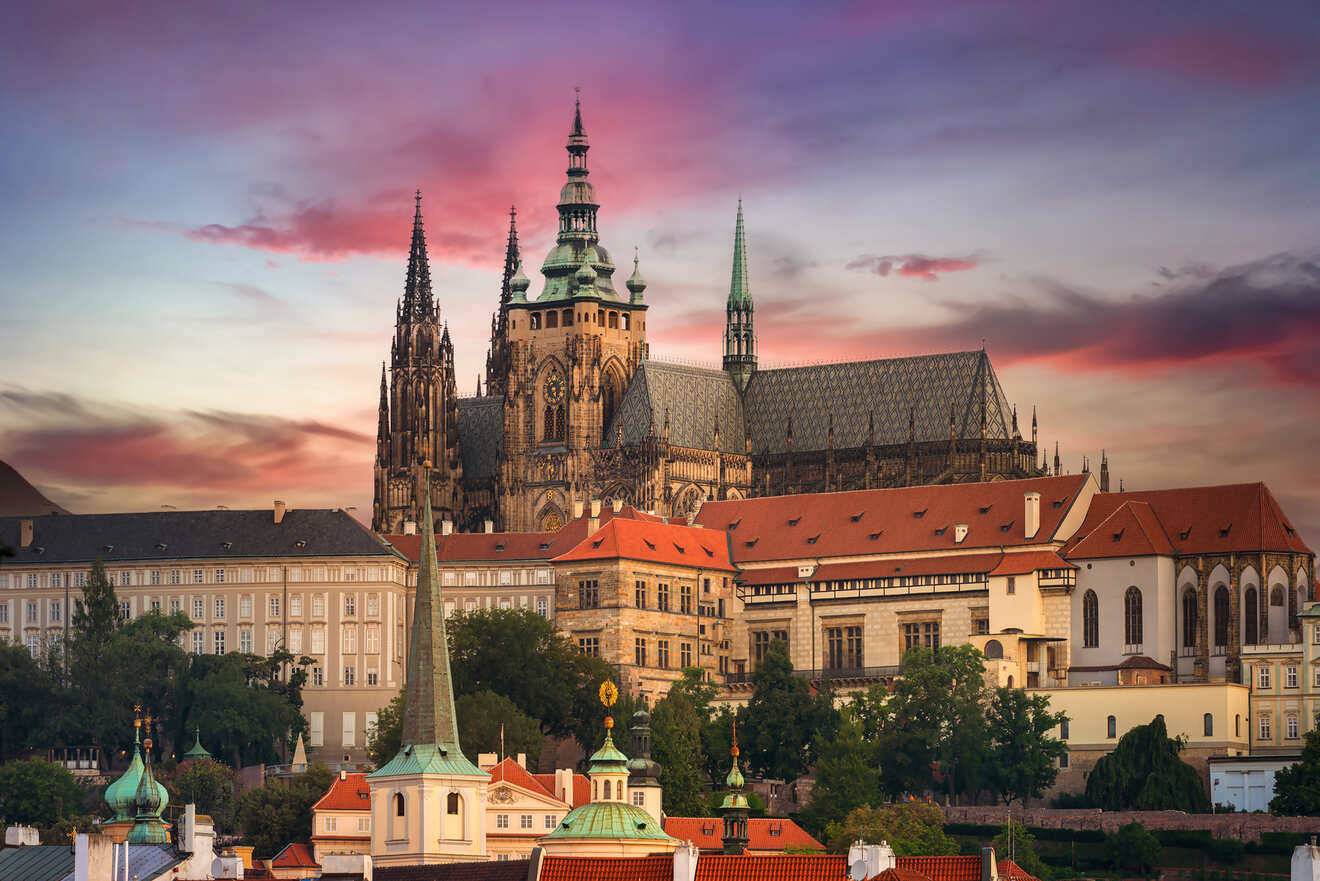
608 759
150 802
735 778
519 283
120 794
610 820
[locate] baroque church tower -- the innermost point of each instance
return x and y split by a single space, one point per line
418 416
571 353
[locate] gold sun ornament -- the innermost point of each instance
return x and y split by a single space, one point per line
609 693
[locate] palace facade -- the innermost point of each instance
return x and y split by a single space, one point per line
574 407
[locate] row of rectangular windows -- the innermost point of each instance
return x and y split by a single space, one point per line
152 577
549 821
505 577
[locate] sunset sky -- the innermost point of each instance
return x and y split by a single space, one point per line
205 209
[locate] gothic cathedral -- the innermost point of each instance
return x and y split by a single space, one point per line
574 407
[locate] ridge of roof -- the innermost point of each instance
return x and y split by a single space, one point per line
1151 538
653 542
509 771
345 794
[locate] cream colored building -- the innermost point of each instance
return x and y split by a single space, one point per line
1212 716
313 581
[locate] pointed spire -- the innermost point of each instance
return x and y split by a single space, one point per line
735 806
1033 423
740 296
635 283
429 717
1057 462
417 300
1016 433
512 259
577 131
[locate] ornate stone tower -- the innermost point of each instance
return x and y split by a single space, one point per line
497 356
418 416
739 332
572 352
428 804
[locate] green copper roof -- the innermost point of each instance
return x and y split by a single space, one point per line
1310 612
735 778
150 802
430 726
428 758
120 794
740 296
198 751
608 759
610 820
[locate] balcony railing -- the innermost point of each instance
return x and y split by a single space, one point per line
829 673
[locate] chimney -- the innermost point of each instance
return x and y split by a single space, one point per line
595 507
989 866
685 861
446 526
868 860
280 508
343 775
410 527
486 761
593 523
25 534
959 532
564 785
1031 520
93 857
521 760
577 508
488 526
617 505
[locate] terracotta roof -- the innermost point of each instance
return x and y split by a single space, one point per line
497 546
772 867
295 856
894 874
958 868
347 793
890 521
763 833
652 868
1130 530
511 772
1201 520
654 543
581 787
1136 662
995 563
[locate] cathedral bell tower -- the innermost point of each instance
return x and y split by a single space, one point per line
739 333
418 414
572 350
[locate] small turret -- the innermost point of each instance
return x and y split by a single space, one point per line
739 328
734 808
636 284
518 285
1104 472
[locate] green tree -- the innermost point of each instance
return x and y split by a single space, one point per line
847 776
1023 751
1144 773
95 699
1134 848
480 717
385 737
209 785
29 702
245 706
273 815
784 718
1014 842
36 792
1297 787
933 718
676 744
915 829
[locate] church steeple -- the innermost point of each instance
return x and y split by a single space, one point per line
497 356
429 717
417 299
383 421
739 331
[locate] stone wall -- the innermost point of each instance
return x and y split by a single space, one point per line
1242 827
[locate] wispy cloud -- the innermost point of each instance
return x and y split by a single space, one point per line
913 265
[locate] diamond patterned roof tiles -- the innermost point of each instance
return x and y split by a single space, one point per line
929 387
695 400
480 436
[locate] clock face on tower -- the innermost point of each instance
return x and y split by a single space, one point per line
553 389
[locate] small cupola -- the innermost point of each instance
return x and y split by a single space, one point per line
518 284
635 283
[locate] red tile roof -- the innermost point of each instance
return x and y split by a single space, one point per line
1130 530
581 787
893 874
1198 520
772 867
890 521
654 868
511 772
959 868
347 793
497 546
295 856
654 543
1030 561
996 563
763 833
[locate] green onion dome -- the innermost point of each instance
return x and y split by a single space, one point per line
519 283
121 794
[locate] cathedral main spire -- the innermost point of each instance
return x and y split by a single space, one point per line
417 299
739 330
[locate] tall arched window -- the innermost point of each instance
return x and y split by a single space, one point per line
1221 615
1189 618
398 804
455 804
607 790
1209 724
1251 614
1132 619
609 399
1090 620
1112 727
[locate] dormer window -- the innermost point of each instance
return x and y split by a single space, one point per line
709 552
857 517
942 530
1058 503
1007 527
501 546
793 521
734 524
920 514
650 544
678 547
813 539
873 536
1183 536
985 509
751 543
600 541
1118 536
1224 530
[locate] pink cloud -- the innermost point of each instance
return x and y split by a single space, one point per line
1219 56
913 265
